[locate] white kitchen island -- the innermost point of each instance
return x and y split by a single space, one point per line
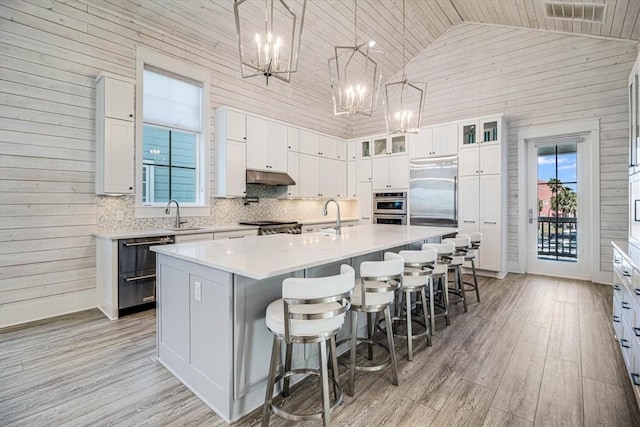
212 297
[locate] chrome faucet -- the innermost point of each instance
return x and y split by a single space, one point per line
168 211
324 212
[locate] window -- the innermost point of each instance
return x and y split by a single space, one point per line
172 134
172 112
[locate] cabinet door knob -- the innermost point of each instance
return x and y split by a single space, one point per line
130 188
130 115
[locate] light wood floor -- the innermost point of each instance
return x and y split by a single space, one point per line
535 350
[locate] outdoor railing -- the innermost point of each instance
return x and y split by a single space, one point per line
557 238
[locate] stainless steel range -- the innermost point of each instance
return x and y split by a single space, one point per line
276 227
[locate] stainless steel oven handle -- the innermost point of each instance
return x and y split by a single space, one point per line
143 277
149 243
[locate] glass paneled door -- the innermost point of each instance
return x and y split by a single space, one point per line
556 220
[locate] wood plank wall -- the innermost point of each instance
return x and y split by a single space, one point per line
50 53
534 78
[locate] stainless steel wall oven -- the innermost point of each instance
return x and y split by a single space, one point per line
390 208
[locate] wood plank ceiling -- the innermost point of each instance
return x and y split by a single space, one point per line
209 24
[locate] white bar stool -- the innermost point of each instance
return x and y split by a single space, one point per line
444 252
310 311
416 278
374 294
469 259
462 245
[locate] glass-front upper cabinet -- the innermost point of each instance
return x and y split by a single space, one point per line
364 148
481 131
389 145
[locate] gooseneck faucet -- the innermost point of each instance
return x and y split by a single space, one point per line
324 212
168 211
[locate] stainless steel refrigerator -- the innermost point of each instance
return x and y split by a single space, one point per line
433 191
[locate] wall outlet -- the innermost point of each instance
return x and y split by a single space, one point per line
119 215
198 291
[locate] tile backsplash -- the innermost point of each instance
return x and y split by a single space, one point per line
223 211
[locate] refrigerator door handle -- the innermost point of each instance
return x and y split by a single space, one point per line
455 199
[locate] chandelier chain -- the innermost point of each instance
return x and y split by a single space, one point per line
355 23
404 39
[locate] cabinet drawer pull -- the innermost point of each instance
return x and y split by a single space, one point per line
622 343
490 222
136 278
636 331
616 287
625 305
236 237
616 319
635 378
469 222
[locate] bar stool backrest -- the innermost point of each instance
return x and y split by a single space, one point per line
381 276
323 297
417 265
460 242
443 249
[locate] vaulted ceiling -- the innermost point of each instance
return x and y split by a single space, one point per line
209 26
210 23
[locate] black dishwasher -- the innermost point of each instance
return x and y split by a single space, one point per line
137 273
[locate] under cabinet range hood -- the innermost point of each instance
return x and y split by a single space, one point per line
268 178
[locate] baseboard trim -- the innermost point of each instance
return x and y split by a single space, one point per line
42 308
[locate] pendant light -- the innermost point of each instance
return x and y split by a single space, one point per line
355 74
404 99
270 48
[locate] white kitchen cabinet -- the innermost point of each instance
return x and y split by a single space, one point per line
484 130
236 125
388 145
341 184
352 150
341 150
434 141
114 135
231 151
293 139
365 202
482 195
364 170
626 310
390 173
352 180
364 147
234 234
480 160
327 177
293 169
327 147
309 176
267 145
309 143
199 237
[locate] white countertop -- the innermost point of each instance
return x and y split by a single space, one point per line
268 256
164 232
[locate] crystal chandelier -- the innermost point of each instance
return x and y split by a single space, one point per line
404 99
271 47
355 73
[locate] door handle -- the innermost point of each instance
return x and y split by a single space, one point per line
530 216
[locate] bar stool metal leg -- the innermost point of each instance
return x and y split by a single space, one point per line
475 279
392 348
275 359
427 317
334 365
352 355
409 328
287 367
326 404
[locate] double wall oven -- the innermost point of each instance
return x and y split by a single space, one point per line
390 208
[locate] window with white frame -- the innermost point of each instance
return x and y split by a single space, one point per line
171 133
